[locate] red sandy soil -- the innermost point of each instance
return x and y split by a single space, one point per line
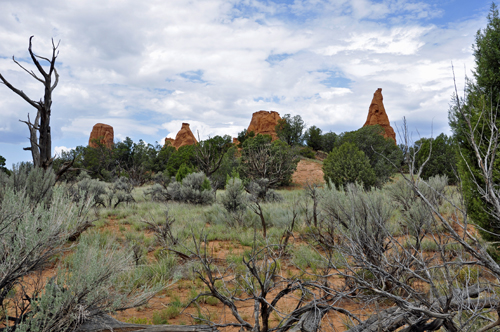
308 171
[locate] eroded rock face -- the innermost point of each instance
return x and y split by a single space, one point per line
377 115
102 132
264 122
184 137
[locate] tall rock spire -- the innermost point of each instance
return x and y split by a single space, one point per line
377 115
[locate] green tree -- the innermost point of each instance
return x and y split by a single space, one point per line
381 152
228 167
348 164
2 165
289 129
208 154
473 120
243 135
184 155
263 159
313 138
183 171
328 141
442 160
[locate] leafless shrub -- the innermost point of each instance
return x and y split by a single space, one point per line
163 230
262 284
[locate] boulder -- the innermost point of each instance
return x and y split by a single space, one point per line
377 115
103 133
184 137
264 122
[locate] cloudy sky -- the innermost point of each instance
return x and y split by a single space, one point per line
145 67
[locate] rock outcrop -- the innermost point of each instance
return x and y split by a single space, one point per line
103 133
377 115
184 137
169 141
264 122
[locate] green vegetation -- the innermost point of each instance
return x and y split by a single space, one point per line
263 159
384 156
2 165
442 160
347 164
290 129
313 138
477 114
401 248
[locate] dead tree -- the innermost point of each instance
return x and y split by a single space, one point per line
40 135
262 283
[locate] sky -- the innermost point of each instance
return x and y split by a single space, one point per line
145 67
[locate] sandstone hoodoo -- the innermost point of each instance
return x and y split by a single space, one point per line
102 132
264 123
184 137
377 115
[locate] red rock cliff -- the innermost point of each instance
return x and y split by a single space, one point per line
104 133
377 115
184 137
264 122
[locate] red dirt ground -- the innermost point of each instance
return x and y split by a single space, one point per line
308 171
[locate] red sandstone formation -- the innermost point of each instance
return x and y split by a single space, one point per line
264 123
103 133
184 137
377 115
169 141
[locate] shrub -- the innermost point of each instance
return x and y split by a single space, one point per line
260 190
183 171
347 164
37 183
121 192
195 189
87 188
33 230
382 153
275 161
235 197
307 152
157 193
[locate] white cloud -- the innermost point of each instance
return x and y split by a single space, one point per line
59 149
125 63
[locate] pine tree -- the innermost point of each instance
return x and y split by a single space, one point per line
480 107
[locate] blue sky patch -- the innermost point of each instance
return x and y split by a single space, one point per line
275 58
335 80
193 76
273 99
458 10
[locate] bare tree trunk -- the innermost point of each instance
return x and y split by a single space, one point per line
40 135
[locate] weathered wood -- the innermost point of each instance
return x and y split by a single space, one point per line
107 323
40 133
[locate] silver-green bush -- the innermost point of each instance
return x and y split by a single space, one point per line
34 231
195 189
235 198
